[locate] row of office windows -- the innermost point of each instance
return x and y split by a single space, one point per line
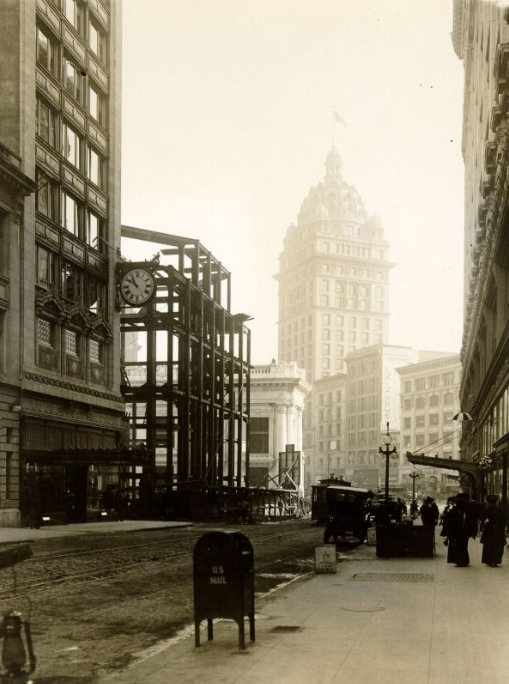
325 300
435 400
361 438
329 269
338 247
329 414
306 360
338 320
72 283
73 79
67 350
74 147
84 24
326 398
73 341
349 303
362 387
423 421
336 363
353 322
431 382
364 338
350 289
72 213
338 269
360 404
338 287
61 276
341 303
333 461
330 430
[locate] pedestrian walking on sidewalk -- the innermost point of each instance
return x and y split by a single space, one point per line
493 532
429 512
401 510
445 512
460 525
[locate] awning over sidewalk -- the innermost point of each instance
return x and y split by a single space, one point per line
468 468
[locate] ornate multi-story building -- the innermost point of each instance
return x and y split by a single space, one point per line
61 412
333 298
429 402
333 278
481 40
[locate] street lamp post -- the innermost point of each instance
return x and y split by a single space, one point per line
413 475
387 450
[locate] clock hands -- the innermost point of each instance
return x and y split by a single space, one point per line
137 287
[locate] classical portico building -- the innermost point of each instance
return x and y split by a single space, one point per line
278 393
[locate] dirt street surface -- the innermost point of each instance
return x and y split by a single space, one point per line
96 601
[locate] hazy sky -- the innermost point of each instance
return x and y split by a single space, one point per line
227 121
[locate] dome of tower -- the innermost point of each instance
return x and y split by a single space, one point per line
339 199
321 212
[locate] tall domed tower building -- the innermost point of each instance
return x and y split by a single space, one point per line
333 299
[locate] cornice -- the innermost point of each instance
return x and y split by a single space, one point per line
75 419
427 366
71 387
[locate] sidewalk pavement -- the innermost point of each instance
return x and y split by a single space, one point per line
417 620
15 535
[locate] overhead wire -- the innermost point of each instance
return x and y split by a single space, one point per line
438 442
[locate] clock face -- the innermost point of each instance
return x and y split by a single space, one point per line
137 286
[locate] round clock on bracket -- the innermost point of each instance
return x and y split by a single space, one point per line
137 286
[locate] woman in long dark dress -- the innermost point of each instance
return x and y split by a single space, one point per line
460 524
493 533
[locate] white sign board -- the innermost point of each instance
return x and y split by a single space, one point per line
371 536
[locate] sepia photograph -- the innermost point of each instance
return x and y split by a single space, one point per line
254 341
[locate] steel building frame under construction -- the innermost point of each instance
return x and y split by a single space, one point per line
186 361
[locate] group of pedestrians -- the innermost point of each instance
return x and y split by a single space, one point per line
463 519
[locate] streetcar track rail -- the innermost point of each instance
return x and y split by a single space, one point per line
59 569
